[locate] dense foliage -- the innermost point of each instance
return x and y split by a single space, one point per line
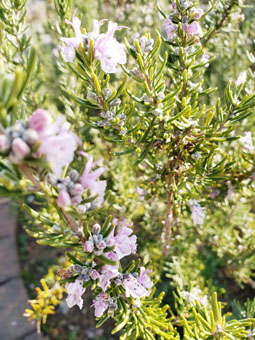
163 102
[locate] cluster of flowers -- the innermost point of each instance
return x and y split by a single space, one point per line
96 242
194 295
18 141
135 285
70 191
40 136
71 188
106 48
193 29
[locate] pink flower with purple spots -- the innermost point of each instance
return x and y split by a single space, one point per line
57 141
134 288
144 278
125 244
170 28
75 291
89 179
108 272
100 304
108 50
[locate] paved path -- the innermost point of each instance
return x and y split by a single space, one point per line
13 297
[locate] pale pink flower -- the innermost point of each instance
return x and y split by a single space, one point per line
241 78
108 50
246 140
72 43
64 199
75 291
197 212
108 272
134 288
214 193
100 304
230 192
58 144
193 29
141 193
124 243
169 27
144 278
88 179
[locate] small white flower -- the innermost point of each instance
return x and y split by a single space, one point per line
196 156
246 140
197 212
241 78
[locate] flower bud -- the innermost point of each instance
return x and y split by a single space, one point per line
74 175
4 143
81 209
84 277
77 268
113 306
101 245
40 120
61 186
94 274
118 282
52 179
31 136
96 229
116 102
76 199
99 238
63 199
107 92
20 148
89 246
77 190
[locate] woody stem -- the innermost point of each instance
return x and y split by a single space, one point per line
169 217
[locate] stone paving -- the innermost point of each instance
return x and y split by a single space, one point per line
13 297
